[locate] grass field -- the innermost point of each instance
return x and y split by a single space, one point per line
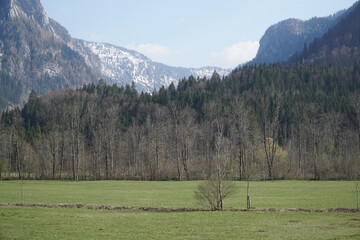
56 223
42 223
277 194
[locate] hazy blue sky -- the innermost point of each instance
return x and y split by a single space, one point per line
189 33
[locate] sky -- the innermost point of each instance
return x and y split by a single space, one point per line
186 33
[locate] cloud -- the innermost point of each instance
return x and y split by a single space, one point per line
152 50
235 54
178 21
161 53
181 20
93 36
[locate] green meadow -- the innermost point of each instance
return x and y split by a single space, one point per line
42 223
272 194
57 223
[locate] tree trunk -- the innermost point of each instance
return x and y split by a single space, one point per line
248 203
62 150
185 159
241 164
53 149
177 153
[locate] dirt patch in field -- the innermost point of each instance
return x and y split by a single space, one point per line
162 209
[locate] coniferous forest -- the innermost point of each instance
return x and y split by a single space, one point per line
260 122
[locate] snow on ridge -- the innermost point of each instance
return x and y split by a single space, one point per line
208 71
122 66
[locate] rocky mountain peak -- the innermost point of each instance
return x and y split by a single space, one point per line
38 51
27 9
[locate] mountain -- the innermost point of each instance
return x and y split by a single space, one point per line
122 66
340 45
287 37
37 53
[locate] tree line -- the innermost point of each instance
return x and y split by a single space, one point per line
260 122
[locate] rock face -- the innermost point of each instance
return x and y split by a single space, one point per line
287 37
40 54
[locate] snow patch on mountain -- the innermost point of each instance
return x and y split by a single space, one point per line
122 66
208 71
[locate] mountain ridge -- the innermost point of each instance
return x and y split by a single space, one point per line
123 65
42 55
283 39
340 45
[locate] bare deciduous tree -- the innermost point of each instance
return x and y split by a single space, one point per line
357 192
355 102
240 137
270 116
211 193
315 132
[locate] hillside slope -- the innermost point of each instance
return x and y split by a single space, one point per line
287 37
340 45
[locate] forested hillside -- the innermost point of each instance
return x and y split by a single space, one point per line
340 45
285 38
265 122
